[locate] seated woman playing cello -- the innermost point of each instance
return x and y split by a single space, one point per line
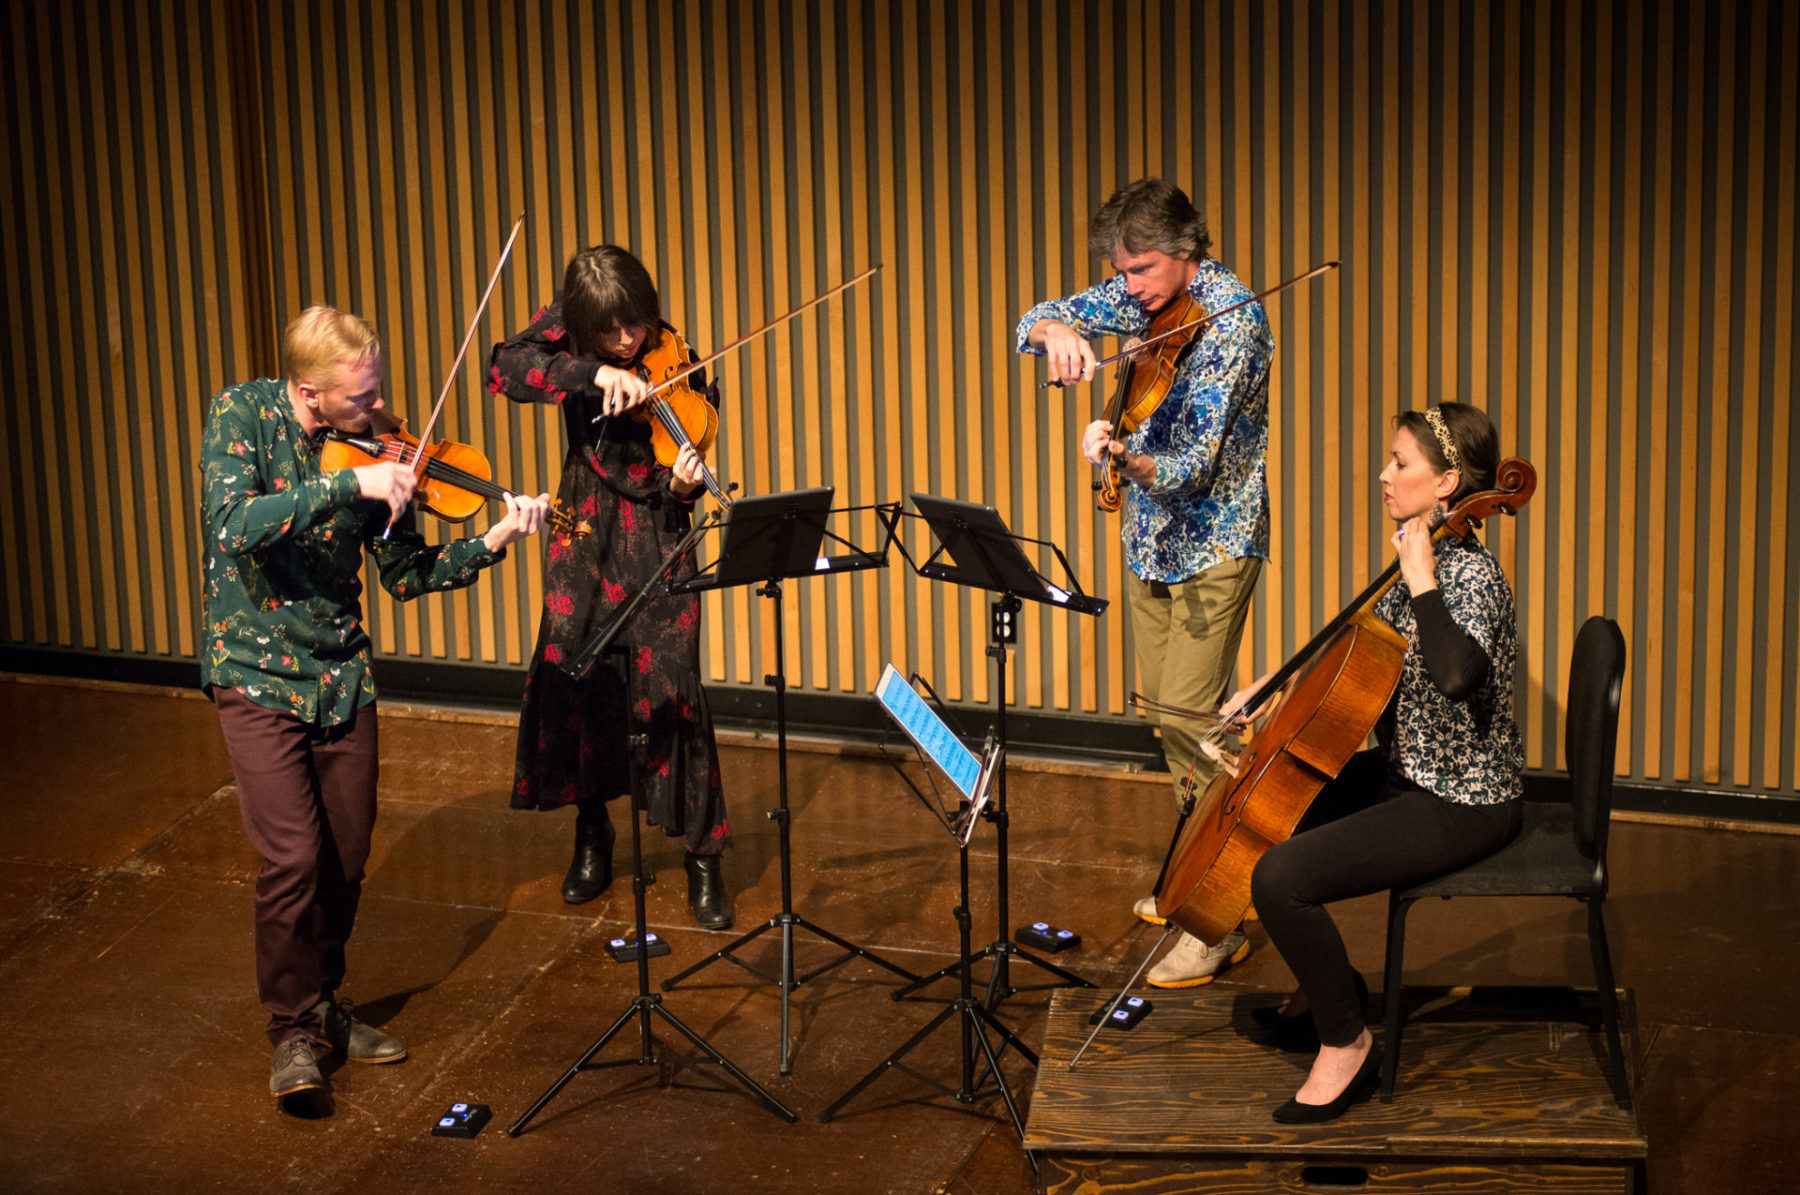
639 720
1441 792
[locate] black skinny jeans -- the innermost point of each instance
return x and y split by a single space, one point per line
1366 832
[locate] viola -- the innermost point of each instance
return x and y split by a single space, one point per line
677 367
1154 365
1145 379
678 415
457 480
1325 702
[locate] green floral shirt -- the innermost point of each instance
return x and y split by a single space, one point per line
282 600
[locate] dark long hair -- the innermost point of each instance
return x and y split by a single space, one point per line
606 286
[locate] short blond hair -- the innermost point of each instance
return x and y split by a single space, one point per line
323 337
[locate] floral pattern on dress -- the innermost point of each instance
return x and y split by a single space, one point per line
283 541
1210 500
1467 750
641 712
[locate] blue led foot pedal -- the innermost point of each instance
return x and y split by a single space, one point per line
1131 1010
1045 936
462 1120
625 950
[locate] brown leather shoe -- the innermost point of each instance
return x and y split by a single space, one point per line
294 1069
359 1042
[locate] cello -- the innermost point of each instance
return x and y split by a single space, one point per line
1327 699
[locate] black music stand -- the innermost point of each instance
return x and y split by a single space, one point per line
645 1002
985 554
766 539
974 1016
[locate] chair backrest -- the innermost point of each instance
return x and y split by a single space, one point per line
1591 730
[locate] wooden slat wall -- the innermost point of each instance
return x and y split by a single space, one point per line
1575 215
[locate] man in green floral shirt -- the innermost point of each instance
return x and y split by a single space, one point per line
287 660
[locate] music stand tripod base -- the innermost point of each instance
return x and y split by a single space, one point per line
768 538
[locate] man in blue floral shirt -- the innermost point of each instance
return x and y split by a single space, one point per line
1195 520
286 659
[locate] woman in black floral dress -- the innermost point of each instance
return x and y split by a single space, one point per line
1442 790
638 722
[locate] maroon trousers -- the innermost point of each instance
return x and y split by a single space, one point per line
307 795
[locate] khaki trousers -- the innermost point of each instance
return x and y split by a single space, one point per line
1187 634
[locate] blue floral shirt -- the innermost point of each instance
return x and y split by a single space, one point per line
1209 502
283 541
1467 750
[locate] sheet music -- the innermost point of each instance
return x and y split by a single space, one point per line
924 727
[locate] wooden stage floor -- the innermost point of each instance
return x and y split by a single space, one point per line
135 1057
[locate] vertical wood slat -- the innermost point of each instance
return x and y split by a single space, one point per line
1547 300
1723 224
1598 296
1782 602
1623 505
1564 551
1693 180
1751 528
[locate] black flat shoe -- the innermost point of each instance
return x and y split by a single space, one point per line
591 872
1368 1078
706 892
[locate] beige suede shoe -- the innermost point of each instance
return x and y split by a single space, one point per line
1193 962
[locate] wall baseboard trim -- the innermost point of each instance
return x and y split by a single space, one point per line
859 718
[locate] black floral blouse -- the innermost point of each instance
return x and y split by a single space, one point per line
1467 750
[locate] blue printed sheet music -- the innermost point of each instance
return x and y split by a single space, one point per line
927 730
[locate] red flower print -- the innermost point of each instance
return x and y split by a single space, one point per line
685 619
628 517
590 506
535 379
638 473
721 830
559 395
559 548
539 314
554 331
553 653
495 385
643 659
612 591
522 786
559 603
643 709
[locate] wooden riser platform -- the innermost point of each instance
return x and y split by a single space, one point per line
1489 1098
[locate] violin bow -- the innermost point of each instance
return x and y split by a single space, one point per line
456 365
1141 345
747 337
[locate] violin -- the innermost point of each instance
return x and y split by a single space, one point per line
678 414
1133 402
1145 379
457 480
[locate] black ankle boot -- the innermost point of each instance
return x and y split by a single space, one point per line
706 892
590 873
